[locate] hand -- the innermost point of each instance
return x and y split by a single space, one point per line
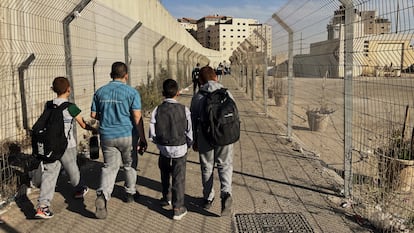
91 128
94 131
142 147
195 146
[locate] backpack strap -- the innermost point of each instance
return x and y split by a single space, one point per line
63 106
205 93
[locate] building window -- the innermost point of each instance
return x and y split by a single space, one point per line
238 23
238 36
231 30
244 30
224 48
244 23
224 36
238 30
231 36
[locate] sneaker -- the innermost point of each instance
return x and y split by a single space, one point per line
44 212
179 213
164 202
132 197
208 203
226 202
100 204
81 193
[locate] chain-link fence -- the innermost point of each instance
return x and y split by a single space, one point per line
342 80
338 73
80 39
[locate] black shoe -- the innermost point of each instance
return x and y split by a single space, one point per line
164 202
100 204
226 202
208 203
132 197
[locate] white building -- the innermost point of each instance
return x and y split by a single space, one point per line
225 34
374 48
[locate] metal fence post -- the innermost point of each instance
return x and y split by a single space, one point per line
68 48
126 48
348 107
94 73
154 57
179 78
242 67
290 74
25 65
169 59
264 70
252 50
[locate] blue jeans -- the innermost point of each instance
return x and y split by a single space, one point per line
223 157
117 152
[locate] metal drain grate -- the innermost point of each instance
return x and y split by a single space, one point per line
272 222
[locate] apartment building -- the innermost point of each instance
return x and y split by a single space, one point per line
204 28
374 25
190 25
368 23
225 34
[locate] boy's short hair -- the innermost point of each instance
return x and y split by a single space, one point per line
169 88
206 74
118 70
60 85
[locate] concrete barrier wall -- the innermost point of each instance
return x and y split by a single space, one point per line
32 38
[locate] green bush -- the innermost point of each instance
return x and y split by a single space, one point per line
151 94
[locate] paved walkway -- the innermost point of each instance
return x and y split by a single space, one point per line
270 176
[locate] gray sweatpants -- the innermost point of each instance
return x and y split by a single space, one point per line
51 174
209 156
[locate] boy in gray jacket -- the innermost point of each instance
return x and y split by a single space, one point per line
211 155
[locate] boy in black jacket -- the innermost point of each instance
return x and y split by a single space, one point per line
171 131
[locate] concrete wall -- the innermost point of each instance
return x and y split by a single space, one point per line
96 41
370 54
152 14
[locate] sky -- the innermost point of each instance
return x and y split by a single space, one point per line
261 10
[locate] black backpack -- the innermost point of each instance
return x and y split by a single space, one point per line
49 141
220 120
171 124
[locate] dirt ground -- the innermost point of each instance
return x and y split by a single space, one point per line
379 106
378 111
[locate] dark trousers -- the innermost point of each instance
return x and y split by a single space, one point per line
196 85
174 168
